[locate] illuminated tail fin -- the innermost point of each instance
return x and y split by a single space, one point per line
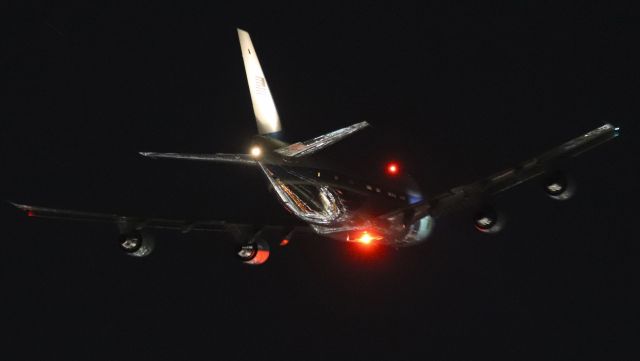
263 106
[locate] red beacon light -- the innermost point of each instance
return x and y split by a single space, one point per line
393 168
365 237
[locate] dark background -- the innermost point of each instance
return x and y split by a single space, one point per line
453 92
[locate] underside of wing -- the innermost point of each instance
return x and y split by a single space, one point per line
127 222
472 193
136 240
475 193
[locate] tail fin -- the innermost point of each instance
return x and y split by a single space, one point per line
263 106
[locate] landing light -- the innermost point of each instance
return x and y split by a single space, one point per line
256 151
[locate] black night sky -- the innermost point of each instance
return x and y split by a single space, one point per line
454 93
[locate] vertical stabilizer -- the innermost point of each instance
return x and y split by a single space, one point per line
263 106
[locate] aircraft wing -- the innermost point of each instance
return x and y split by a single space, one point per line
460 197
127 223
472 194
252 239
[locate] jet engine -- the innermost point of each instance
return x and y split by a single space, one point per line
255 252
489 220
136 244
558 186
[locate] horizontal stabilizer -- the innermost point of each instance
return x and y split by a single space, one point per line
301 149
218 157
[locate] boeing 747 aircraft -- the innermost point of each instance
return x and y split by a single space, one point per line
331 202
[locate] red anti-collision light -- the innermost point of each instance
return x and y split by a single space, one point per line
366 238
393 168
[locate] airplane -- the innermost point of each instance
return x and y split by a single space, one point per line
330 201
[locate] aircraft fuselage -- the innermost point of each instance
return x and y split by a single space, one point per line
338 205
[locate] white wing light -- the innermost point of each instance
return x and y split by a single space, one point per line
263 106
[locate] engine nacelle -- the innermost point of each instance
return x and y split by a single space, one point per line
489 220
558 186
254 252
136 244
